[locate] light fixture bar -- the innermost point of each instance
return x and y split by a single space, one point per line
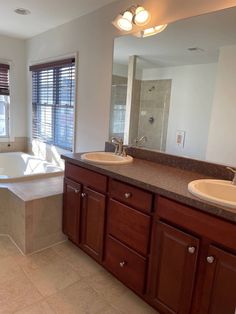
151 31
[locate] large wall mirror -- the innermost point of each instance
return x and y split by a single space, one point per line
176 91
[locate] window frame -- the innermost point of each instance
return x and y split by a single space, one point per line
7 136
45 66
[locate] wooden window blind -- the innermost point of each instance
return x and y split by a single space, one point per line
4 79
53 99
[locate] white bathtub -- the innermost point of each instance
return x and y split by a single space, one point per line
20 166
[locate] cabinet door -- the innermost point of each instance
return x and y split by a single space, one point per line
173 267
71 209
93 217
219 296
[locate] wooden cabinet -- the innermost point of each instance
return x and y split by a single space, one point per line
190 273
173 268
128 234
84 209
71 210
219 292
178 259
93 219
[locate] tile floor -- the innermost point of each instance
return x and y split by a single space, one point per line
61 280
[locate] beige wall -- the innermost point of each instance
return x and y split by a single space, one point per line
12 51
223 118
92 37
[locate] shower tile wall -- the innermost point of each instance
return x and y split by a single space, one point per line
154 103
118 104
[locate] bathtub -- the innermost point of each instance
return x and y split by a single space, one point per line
20 167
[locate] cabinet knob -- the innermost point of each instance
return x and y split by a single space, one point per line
210 259
122 264
191 249
77 191
83 195
128 195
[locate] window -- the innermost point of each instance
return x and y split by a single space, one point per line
4 100
53 95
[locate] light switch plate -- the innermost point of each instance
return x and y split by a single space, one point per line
180 138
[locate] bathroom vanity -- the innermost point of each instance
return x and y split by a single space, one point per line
140 222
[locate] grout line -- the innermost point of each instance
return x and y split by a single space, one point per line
8 236
45 248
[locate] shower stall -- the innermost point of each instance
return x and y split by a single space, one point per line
140 105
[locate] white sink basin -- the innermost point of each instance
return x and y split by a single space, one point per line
217 191
105 158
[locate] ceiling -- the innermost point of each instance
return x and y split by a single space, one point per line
208 32
45 14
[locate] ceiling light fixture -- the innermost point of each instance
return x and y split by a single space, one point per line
22 11
151 31
135 15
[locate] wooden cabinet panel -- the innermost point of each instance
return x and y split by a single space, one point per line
196 221
131 195
93 219
129 226
219 295
86 177
71 209
127 265
173 268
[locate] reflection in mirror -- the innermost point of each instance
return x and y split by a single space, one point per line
176 91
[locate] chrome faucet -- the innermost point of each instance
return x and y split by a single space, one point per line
119 146
140 140
234 172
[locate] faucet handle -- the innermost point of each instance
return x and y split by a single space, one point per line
124 151
231 169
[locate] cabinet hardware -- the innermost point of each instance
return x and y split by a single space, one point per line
83 195
210 259
122 264
191 249
128 195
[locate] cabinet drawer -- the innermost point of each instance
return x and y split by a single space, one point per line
130 195
127 265
87 177
129 226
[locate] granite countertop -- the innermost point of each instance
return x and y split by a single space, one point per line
164 180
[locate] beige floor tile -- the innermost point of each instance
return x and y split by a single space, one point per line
38 260
84 265
39 308
107 285
9 269
8 248
130 303
17 293
79 298
51 277
110 310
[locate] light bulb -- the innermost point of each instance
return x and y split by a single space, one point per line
141 17
125 21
